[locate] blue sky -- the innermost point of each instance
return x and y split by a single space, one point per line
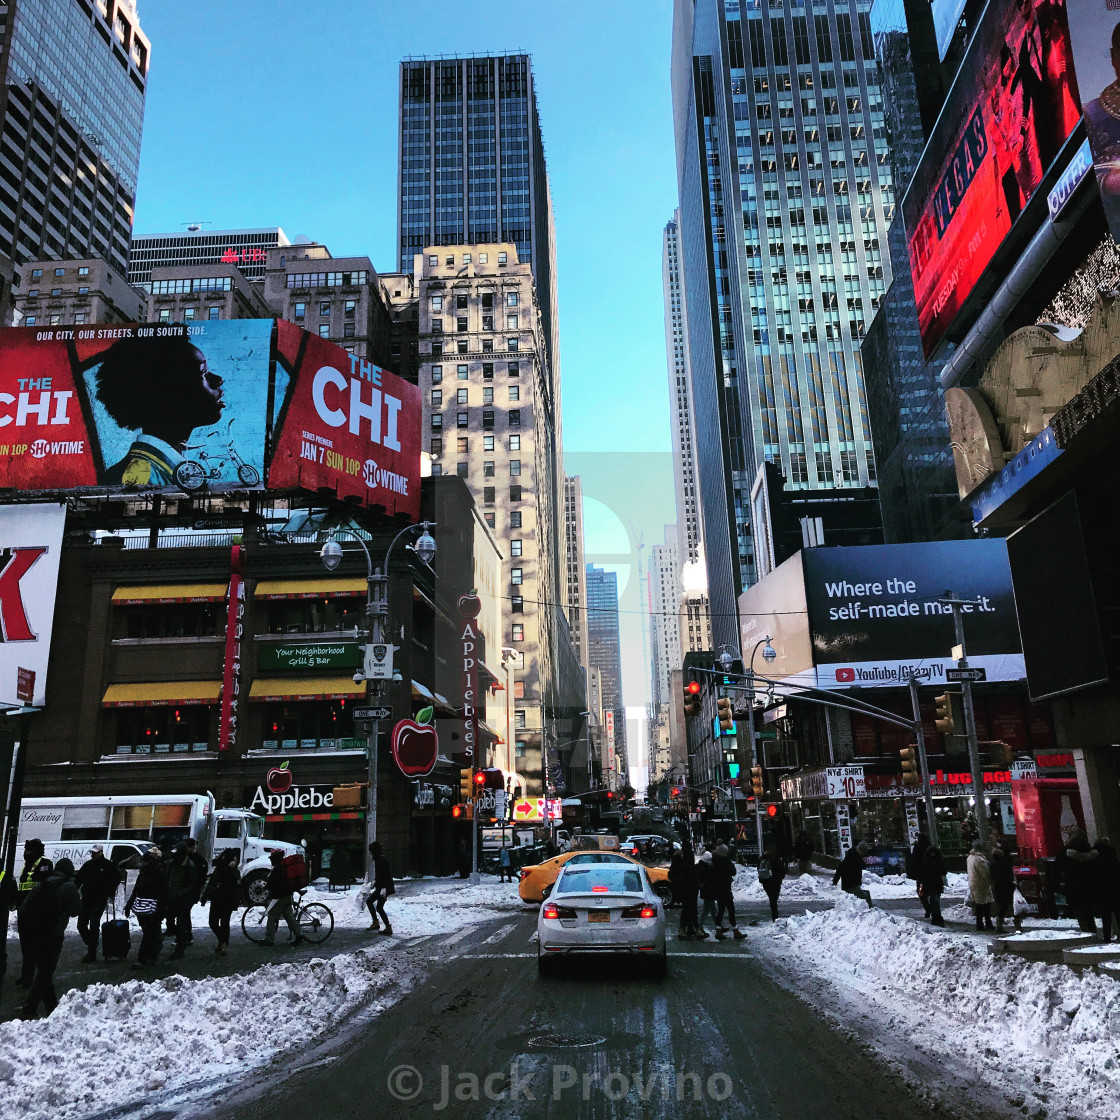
271 112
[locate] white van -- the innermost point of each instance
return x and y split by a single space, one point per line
64 823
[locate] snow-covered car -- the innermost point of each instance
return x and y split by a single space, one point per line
602 908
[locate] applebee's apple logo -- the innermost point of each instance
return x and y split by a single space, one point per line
279 779
415 745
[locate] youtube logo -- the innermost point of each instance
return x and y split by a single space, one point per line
845 676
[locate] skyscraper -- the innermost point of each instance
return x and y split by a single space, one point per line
246 248
74 75
664 616
785 197
472 168
606 656
574 566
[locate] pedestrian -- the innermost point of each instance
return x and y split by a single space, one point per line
723 876
771 872
803 851
685 887
931 883
223 892
505 868
97 880
915 861
850 872
8 893
382 888
182 892
1108 898
1081 879
707 891
279 902
1003 887
200 871
36 868
980 886
47 912
147 902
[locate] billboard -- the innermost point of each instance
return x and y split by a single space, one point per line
1011 108
344 425
30 544
134 406
1094 32
775 608
874 616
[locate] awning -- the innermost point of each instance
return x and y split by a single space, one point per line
309 588
489 730
306 688
161 693
170 593
353 815
419 692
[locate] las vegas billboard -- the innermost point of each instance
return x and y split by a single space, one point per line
1014 103
226 405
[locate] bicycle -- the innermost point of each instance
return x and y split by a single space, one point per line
314 920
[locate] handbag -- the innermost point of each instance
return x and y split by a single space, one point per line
1019 905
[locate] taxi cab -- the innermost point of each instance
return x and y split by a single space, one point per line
535 879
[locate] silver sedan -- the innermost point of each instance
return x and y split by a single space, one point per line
602 908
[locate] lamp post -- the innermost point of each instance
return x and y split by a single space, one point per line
377 610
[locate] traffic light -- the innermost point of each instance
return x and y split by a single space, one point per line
676 791
479 782
692 698
943 714
757 781
771 810
466 789
490 778
910 775
726 714
462 812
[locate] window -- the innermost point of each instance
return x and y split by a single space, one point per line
437 446
461 323
466 258
56 320
463 442
433 262
437 305
488 346
324 330
83 271
488 469
56 291
488 395
461 470
487 371
487 322
347 330
511 343
437 421
437 469
514 369
515 443
515 519
511 299
460 346
29 320
460 303
488 418
462 372
518 631
516 606
36 273
520 748
188 314
461 420
349 307
483 258
515 493
460 396
437 326
299 311
489 519
437 374
33 292
488 495
60 272
515 576
324 308
515 418
502 257
165 314
437 349
437 398
80 317
515 392
487 443
514 468
515 548
487 301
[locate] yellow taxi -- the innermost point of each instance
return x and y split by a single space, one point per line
535 879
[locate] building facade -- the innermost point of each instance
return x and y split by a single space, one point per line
574 565
664 617
188 292
472 167
604 650
785 196
245 248
73 77
54 292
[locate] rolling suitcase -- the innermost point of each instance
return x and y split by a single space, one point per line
116 936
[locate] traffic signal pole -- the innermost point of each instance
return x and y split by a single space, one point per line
923 762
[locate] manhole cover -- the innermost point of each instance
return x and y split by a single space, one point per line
564 1041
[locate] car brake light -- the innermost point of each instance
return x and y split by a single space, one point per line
599 890
639 912
552 913
522 873
648 912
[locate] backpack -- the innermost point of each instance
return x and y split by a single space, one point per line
765 871
295 872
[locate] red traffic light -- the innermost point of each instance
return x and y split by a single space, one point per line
693 687
609 795
456 811
480 778
676 791
771 810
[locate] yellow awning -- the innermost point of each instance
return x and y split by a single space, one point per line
171 593
306 688
161 693
309 588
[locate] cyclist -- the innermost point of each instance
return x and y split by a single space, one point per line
280 903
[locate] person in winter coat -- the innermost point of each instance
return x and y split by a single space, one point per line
1081 879
47 912
707 891
980 886
685 885
182 892
849 874
223 892
931 883
279 903
147 903
1108 877
36 869
915 860
8 891
803 851
200 869
382 888
1003 886
723 875
771 872
97 880
505 866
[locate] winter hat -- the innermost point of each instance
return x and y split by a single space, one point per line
64 867
704 857
97 850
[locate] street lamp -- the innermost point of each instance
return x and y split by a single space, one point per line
377 610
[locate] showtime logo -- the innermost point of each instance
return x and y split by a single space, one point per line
845 676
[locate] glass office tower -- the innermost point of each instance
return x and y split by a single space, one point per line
472 168
785 198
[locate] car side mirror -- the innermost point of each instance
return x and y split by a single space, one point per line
547 891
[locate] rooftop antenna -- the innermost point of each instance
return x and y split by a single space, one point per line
195 227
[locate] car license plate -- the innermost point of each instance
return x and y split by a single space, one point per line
599 916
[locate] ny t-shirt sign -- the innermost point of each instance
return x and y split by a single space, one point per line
345 425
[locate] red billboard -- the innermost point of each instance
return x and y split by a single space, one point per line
1013 105
344 425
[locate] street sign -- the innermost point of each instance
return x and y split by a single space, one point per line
766 734
379 662
372 713
25 685
966 674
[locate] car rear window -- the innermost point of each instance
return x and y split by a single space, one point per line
600 879
597 857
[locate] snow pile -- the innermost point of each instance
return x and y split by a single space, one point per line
818 885
1043 1032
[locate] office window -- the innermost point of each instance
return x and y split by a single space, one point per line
518 631
437 469
56 320
347 330
461 323
324 307
461 346
60 272
483 258
502 257
299 311
487 371
35 291
437 327
488 469
165 314
515 392
487 443
514 369
462 372
466 258
511 322
487 322
487 301
489 517
515 493
461 470
515 519
464 441
516 606
437 374
79 317
437 421
488 394
511 343
449 260
188 314
515 548
30 320
83 271
515 576
436 447
511 299
460 396
437 305
488 495
349 307
515 418
433 262
213 313
36 273
56 291
488 346
461 420
460 302
514 468
437 349
488 418
324 330
515 443
437 398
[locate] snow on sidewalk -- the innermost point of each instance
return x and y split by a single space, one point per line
112 1044
1049 1036
817 884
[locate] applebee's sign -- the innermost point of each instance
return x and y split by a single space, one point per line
469 606
279 795
415 745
